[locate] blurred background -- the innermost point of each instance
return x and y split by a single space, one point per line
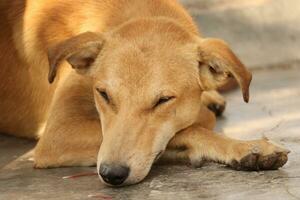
264 33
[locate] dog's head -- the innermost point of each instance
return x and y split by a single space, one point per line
148 77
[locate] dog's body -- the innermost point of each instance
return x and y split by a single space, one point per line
66 114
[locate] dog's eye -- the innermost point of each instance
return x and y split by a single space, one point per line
163 100
103 94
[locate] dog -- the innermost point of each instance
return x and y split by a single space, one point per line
131 81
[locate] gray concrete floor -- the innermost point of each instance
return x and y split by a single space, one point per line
274 111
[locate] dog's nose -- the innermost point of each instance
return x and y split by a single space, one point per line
113 174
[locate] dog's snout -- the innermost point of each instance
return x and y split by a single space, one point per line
113 174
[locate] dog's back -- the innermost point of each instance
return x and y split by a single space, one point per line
21 89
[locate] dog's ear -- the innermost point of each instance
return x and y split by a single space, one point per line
217 64
79 51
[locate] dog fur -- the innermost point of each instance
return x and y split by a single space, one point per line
142 81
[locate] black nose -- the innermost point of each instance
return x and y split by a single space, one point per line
113 174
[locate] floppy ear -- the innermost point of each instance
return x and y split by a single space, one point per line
80 52
217 64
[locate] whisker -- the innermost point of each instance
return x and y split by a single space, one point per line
80 175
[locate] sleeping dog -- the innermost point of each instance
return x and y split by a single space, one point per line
118 84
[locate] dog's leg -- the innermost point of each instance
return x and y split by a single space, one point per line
214 101
73 133
199 144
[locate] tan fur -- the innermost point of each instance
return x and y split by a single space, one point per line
135 51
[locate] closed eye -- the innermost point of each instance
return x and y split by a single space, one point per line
163 100
103 94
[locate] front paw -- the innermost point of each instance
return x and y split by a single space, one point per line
195 158
264 155
216 108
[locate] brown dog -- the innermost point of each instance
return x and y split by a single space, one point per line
138 87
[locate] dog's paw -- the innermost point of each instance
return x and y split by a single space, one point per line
214 102
197 163
265 156
195 158
255 162
216 108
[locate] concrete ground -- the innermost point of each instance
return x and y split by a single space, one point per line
268 42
